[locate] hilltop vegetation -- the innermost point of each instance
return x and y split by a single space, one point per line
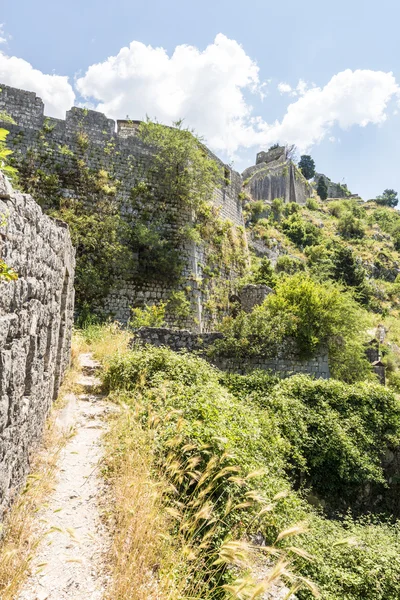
347 242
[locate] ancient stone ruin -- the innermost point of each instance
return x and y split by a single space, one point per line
54 147
36 317
275 176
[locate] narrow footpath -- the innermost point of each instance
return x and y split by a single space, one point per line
69 562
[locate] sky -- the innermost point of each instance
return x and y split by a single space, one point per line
244 75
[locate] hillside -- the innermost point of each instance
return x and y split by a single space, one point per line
346 240
225 473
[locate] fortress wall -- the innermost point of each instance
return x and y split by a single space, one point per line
36 316
53 145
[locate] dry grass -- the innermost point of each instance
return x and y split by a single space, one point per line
21 537
142 554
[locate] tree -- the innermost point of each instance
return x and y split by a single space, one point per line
322 189
307 166
388 198
346 269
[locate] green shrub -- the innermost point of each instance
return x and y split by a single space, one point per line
289 265
301 232
264 273
312 204
350 227
152 315
272 427
337 433
314 316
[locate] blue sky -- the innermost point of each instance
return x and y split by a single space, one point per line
231 69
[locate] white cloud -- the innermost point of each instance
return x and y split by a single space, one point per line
210 89
55 90
3 37
350 98
206 88
285 88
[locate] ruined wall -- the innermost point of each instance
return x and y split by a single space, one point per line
284 364
268 180
53 145
335 190
36 315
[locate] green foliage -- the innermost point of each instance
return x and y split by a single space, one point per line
336 433
264 273
256 423
277 208
100 255
312 204
257 209
307 166
6 272
188 172
350 227
301 232
5 153
322 189
151 315
289 265
179 308
6 118
388 198
348 270
313 315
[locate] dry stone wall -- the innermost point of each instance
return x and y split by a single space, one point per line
36 316
284 364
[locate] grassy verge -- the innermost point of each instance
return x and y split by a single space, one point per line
20 535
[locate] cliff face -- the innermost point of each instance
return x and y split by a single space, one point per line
36 316
274 176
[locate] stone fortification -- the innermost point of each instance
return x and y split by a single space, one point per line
284 363
335 190
275 176
36 316
55 147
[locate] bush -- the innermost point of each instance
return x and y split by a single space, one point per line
350 227
312 204
289 265
301 232
264 273
337 433
271 427
150 316
313 316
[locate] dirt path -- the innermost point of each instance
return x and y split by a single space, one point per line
69 561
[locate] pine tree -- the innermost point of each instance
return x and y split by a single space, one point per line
322 189
307 166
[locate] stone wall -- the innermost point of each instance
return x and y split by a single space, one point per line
283 364
36 316
270 179
335 190
252 295
53 146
